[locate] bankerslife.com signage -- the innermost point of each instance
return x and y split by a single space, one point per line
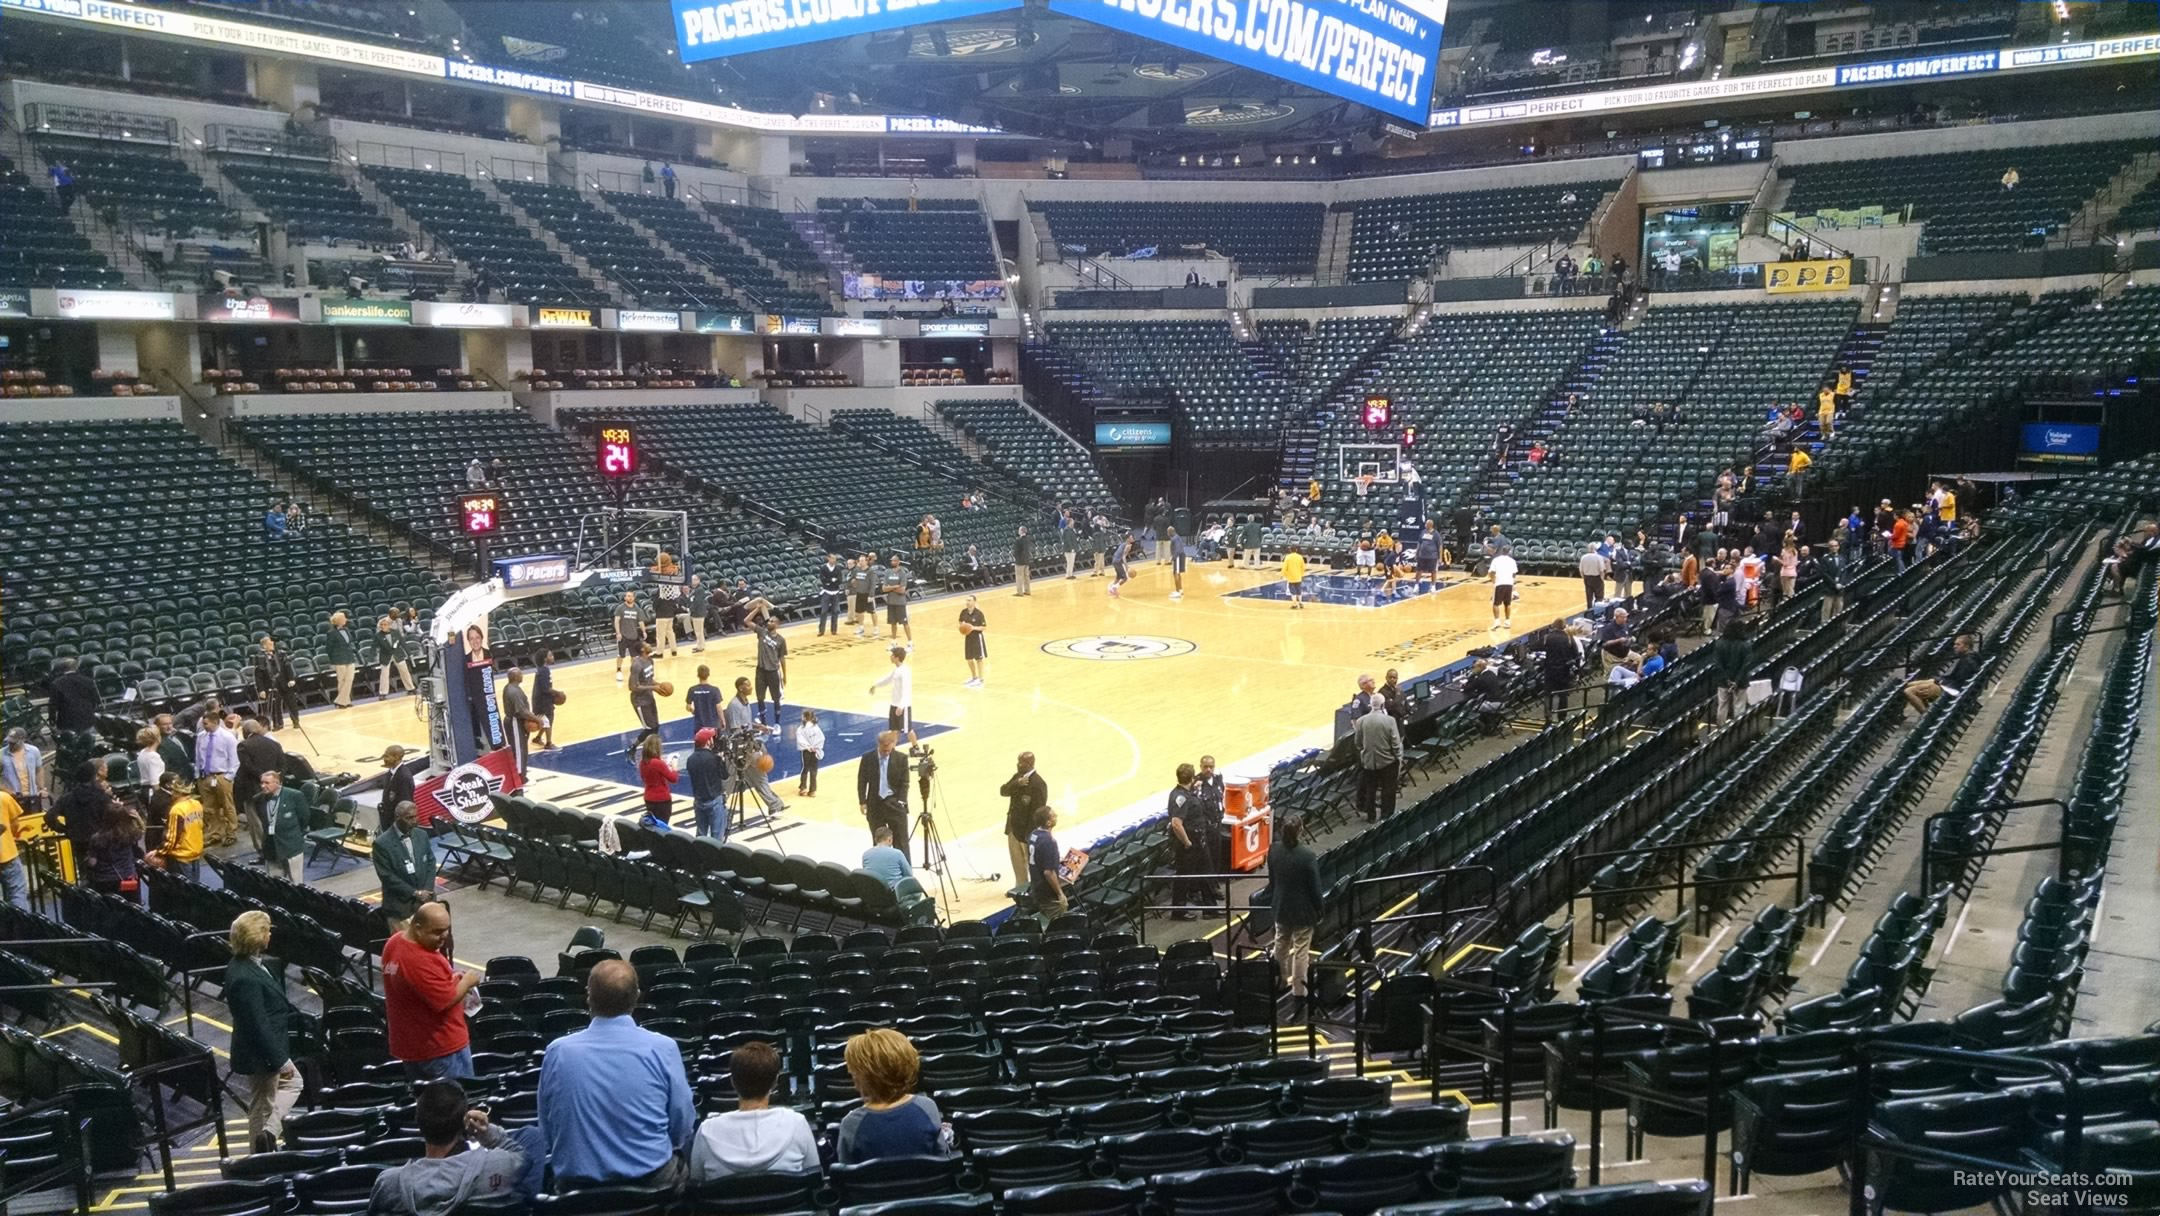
708 29
1378 53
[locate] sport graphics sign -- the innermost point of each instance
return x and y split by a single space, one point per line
1378 53
708 29
462 793
1821 274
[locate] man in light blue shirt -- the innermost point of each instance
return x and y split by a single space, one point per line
614 1101
884 862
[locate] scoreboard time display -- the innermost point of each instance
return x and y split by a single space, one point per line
1379 411
618 451
481 514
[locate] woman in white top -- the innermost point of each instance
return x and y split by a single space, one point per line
810 740
149 766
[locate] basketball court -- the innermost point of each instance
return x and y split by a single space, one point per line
1111 694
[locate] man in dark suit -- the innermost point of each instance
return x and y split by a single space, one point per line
881 781
274 680
259 754
1024 794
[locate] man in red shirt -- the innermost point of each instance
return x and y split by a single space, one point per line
424 997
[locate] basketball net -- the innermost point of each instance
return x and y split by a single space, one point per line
1364 484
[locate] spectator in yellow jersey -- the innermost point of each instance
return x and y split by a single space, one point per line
1796 470
1293 572
14 876
183 847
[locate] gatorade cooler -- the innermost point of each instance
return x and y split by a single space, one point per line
1237 798
1250 835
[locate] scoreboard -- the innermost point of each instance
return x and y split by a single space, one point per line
618 452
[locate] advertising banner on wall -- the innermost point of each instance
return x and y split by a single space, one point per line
879 287
1378 53
1132 434
102 305
640 320
949 328
2068 442
216 306
444 315
14 302
1821 274
806 327
705 29
367 312
726 323
556 317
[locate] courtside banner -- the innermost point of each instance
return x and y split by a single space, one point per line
462 793
1378 53
1822 274
708 29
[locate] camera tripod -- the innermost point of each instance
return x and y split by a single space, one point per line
934 858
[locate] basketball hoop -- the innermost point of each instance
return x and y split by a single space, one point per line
1364 484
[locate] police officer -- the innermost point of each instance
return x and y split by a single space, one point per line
1192 827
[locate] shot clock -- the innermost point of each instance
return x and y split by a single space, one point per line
482 513
1379 411
618 451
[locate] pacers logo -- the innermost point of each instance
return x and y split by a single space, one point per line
1118 647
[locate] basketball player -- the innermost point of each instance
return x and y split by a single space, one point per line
1428 556
861 583
1120 554
1502 570
1178 551
629 631
643 694
896 617
972 643
831 580
900 702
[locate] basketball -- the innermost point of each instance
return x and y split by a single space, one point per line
559 698
966 629
764 763
664 689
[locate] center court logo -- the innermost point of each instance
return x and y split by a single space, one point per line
1118 647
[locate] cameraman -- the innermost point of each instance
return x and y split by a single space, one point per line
708 785
745 743
1024 794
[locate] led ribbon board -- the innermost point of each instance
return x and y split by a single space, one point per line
709 29
1378 53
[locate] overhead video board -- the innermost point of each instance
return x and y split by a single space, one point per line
709 29
1378 53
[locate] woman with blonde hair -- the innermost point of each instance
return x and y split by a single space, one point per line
894 1120
261 1017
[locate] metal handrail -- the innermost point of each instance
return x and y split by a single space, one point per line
1680 885
1928 856
1713 1091
1864 1136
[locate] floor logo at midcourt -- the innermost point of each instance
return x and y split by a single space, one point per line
1118 647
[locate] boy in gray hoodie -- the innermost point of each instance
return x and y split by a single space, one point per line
756 1137
451 1174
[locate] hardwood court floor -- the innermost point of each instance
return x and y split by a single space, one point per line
1242 677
